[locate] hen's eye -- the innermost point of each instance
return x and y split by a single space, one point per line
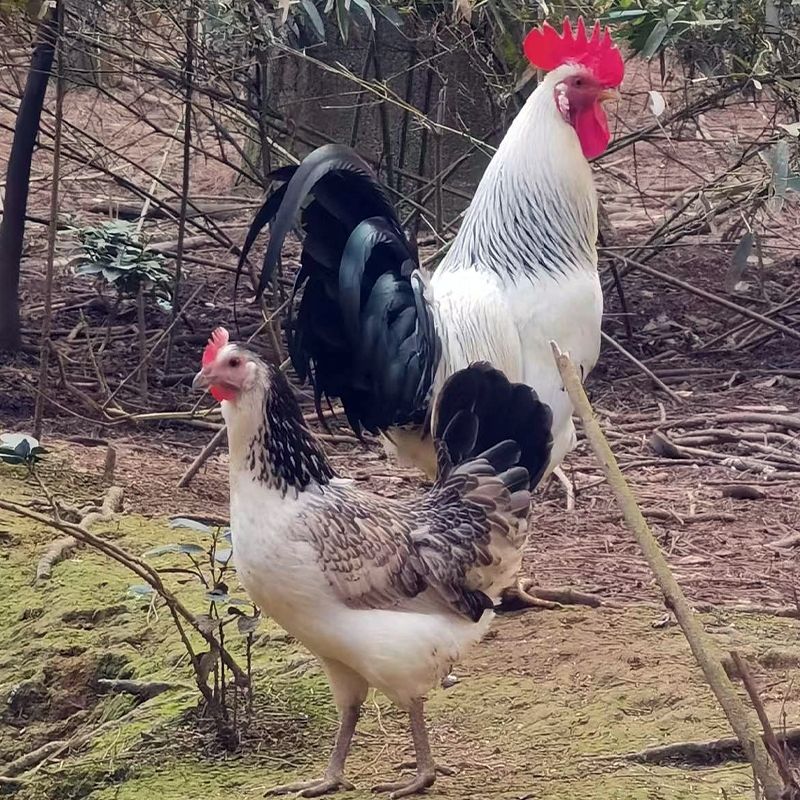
234 362
579 82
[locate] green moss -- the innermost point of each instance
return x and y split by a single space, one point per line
539 708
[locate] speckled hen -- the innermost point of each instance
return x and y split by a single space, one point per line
386 593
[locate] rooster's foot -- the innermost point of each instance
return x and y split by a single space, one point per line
419 783
316 788
440 768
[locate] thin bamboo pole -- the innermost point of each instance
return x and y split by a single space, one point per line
704 650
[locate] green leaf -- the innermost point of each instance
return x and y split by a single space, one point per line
739 262
140 590
314 18
367 9
184 547
190 522
659 32
390 15
624 15
343 19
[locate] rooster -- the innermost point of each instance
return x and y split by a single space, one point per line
374 331
386 593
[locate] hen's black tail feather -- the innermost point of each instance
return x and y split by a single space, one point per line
482 414
362 330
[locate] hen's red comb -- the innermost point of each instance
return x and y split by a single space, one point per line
219 338
547 49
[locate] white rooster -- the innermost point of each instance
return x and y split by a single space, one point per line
386 593
372 330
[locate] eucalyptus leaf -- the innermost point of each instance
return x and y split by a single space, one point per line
739 262
314 18
343 19
206 623
247 625
367 9
184 547
189 522
140 590
624 15
390 15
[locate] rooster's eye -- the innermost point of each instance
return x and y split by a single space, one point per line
234 362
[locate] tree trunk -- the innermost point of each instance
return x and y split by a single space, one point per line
18 173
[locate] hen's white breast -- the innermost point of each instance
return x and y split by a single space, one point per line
403 651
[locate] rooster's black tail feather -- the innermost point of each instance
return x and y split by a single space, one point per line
481 413
362 330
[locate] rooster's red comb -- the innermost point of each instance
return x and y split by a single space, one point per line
218 340
547 49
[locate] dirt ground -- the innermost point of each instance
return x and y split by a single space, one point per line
552 702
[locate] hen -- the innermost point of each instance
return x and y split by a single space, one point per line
386 593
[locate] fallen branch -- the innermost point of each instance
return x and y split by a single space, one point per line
681 519
702 647
721 301
564 595
143 690
32 759
642 367
62 548
701 753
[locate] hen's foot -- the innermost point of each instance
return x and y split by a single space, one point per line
315 788
419 783
518 598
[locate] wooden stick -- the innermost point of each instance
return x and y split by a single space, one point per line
721 301
643 367
702 647
205 454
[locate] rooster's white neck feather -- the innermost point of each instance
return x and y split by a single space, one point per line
535 210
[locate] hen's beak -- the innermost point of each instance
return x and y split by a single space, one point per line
202 380
608 95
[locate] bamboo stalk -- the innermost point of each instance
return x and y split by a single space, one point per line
702 647
188 79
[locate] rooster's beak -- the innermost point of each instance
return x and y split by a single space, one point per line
202 380
608 95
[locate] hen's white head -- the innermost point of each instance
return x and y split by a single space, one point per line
583 72
228 371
